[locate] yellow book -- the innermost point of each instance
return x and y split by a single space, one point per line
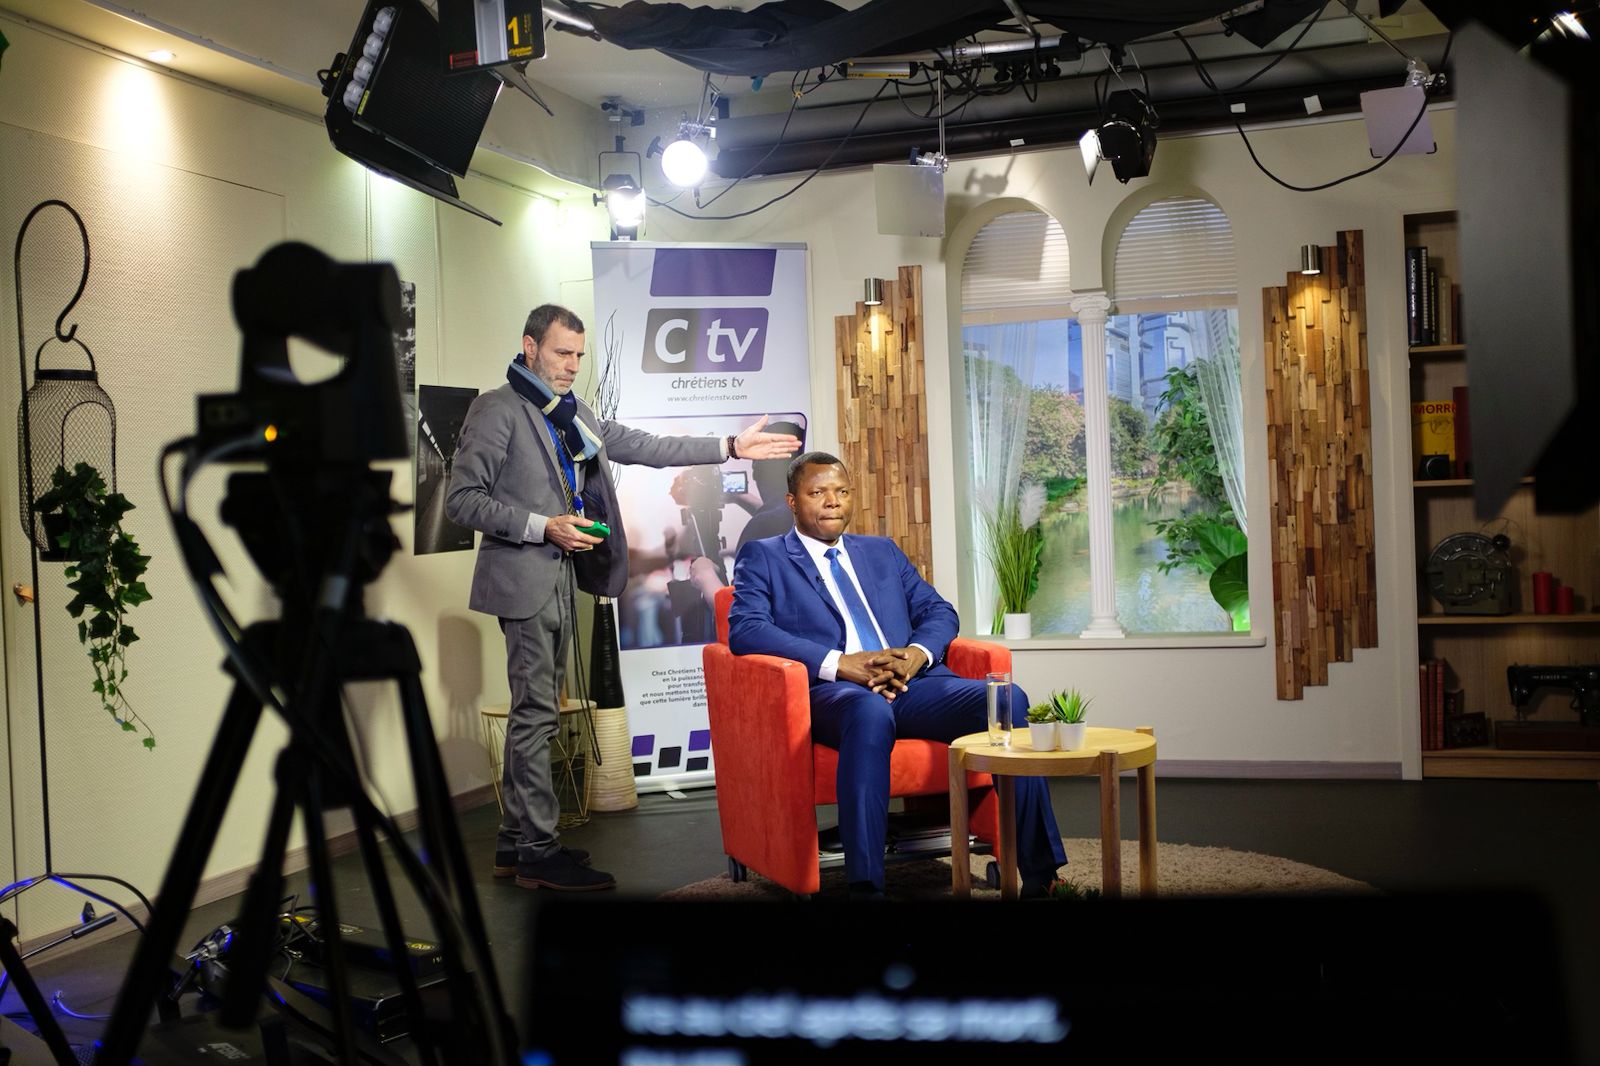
1433 429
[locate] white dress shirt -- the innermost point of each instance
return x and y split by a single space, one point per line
829 670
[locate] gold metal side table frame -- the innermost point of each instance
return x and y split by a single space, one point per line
571 758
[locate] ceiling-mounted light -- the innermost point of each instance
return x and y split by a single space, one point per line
622 193
624 201
684 163
1310 259
873 292
1126 139
161 55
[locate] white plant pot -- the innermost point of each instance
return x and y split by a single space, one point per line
1043 735
1070 735
1018 626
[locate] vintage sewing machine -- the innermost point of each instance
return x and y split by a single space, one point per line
1582 681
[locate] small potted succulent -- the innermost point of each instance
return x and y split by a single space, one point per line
1070 708
1066 890
1042 724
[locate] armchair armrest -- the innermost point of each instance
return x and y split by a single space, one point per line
974 658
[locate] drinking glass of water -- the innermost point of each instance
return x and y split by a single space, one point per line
999 691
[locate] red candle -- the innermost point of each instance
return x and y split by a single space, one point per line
1564 600
1544 584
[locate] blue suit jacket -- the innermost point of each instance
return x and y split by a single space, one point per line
781 606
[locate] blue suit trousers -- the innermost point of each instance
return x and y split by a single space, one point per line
937 705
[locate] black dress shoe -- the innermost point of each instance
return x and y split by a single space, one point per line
505 862
562 873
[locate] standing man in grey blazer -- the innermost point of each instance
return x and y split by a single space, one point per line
532 470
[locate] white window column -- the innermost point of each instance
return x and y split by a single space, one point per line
1091 309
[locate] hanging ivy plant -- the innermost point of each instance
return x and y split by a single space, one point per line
104 579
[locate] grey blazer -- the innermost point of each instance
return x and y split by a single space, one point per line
506 468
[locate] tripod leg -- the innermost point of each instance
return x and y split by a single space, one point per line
435 813
389 917
148 975
333 961
49 1029
256 933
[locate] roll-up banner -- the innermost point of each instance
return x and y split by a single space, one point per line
698 340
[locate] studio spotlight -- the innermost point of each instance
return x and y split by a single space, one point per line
624 202
872 294
1126 139
684 163
1310 259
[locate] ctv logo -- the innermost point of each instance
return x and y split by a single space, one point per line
699 340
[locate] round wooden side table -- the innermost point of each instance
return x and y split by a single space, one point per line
1105 752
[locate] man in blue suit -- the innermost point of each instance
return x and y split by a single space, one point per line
872 634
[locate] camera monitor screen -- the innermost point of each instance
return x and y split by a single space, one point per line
758 982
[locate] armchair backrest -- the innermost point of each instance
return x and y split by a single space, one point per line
721 605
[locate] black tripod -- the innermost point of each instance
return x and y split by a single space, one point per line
319 535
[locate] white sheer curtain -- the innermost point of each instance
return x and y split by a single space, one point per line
1220 395
999 366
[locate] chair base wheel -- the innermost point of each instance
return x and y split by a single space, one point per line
991 874
737 872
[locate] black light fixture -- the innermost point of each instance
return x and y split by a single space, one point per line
1126 138
623 195
1310 259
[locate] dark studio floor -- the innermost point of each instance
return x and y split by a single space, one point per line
1398 836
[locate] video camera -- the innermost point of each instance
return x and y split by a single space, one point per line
349 309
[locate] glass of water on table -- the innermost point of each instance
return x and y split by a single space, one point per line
999 694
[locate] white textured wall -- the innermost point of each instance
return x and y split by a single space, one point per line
181 185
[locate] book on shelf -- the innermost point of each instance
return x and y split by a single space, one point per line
1445 305
1435 703
1416 287
1433 430
1425 702
1463 431
1430 300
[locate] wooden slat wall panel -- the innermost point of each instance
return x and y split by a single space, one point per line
883 416
1319 446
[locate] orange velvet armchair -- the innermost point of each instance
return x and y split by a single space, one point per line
771 777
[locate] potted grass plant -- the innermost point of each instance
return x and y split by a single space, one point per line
1071 709
1015 542
1042 726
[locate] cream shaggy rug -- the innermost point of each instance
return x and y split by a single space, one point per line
1183 870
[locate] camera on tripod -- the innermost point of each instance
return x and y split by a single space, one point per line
316 523
350 309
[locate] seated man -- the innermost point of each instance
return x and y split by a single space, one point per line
873 635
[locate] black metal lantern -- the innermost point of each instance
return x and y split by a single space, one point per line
65 417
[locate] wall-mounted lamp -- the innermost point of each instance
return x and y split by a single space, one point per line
873 292
1310 259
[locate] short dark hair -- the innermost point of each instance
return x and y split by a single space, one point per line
798 464
541 318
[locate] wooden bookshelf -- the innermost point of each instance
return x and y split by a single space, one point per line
1493 762
1586 619
1477 649
1452 483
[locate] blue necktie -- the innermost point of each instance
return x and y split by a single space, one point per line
852 602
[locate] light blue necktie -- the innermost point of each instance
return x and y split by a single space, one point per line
852 602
